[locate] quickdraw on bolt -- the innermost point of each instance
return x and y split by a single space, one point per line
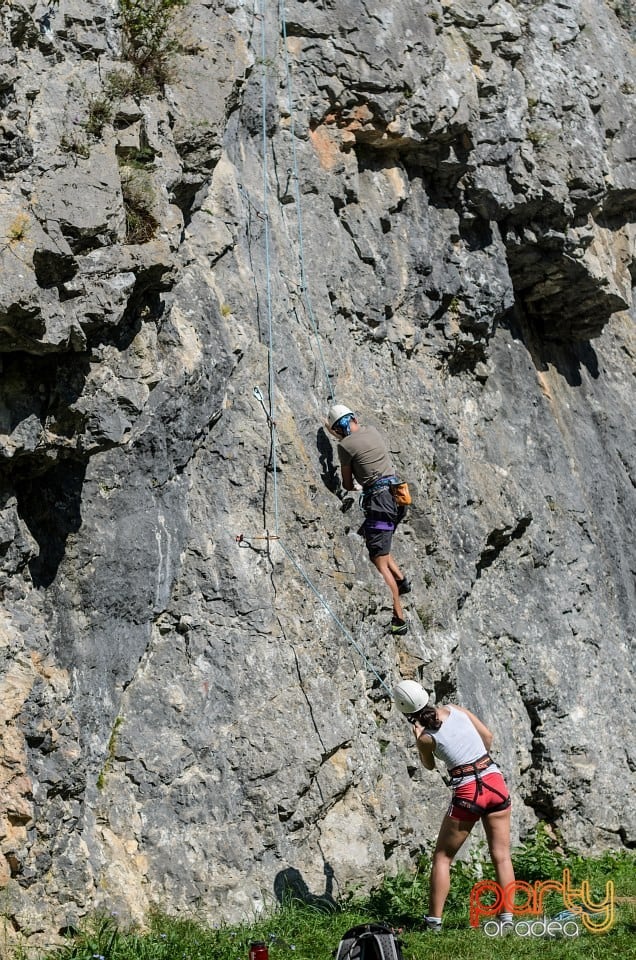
259 396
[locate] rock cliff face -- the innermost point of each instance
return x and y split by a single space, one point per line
425 209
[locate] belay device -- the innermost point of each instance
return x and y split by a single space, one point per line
369 941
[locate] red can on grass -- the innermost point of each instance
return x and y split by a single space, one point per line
259 951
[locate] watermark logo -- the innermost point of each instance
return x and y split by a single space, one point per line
488 899
545 927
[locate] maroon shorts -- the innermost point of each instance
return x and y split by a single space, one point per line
492 796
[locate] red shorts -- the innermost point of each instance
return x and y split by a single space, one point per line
493 794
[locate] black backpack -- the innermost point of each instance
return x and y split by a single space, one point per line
370 941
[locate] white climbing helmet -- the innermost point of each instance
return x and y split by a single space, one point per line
409 696
336 412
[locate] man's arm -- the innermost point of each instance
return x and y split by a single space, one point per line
347 476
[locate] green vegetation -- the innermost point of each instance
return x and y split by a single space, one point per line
72 143
624 10
148 37
128 82
311 930
18 229
112 744
138 191
426 617
141 159
539 136
454 306
100 112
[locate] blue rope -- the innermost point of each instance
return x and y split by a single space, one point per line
301 252
270 415
272 419
347 634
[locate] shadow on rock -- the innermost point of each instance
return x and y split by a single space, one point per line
290 887
567 357
49 504
329 472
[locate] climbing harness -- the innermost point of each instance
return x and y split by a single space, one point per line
378 525
476 769
374 487
470 769
473 807
399 490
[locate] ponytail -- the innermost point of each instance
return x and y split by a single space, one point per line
427 716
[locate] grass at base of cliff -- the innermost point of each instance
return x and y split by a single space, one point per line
311 930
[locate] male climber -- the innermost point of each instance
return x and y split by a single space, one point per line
364 458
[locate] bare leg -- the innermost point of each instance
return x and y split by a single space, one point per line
452 835
383 564
497 827
393 567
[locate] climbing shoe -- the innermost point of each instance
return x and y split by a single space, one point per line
404 585
398 627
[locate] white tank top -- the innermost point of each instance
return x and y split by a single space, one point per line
457 742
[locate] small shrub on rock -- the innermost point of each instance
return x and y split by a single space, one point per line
148 37
100 112
139 202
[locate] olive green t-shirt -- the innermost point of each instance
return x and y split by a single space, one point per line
366 452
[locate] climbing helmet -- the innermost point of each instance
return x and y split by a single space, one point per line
409 696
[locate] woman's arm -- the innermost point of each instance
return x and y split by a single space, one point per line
481 728
425 746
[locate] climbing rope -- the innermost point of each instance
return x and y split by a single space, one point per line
299 217
339 622
270 418
269 410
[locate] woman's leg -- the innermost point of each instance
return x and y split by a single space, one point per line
452 835
497 827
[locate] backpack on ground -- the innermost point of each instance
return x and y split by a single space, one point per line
369 941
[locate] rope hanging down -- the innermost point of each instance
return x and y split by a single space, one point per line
269 412
301 251
347 634
270 416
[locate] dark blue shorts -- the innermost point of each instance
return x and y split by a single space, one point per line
380 506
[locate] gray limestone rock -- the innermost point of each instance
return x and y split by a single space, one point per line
424 209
